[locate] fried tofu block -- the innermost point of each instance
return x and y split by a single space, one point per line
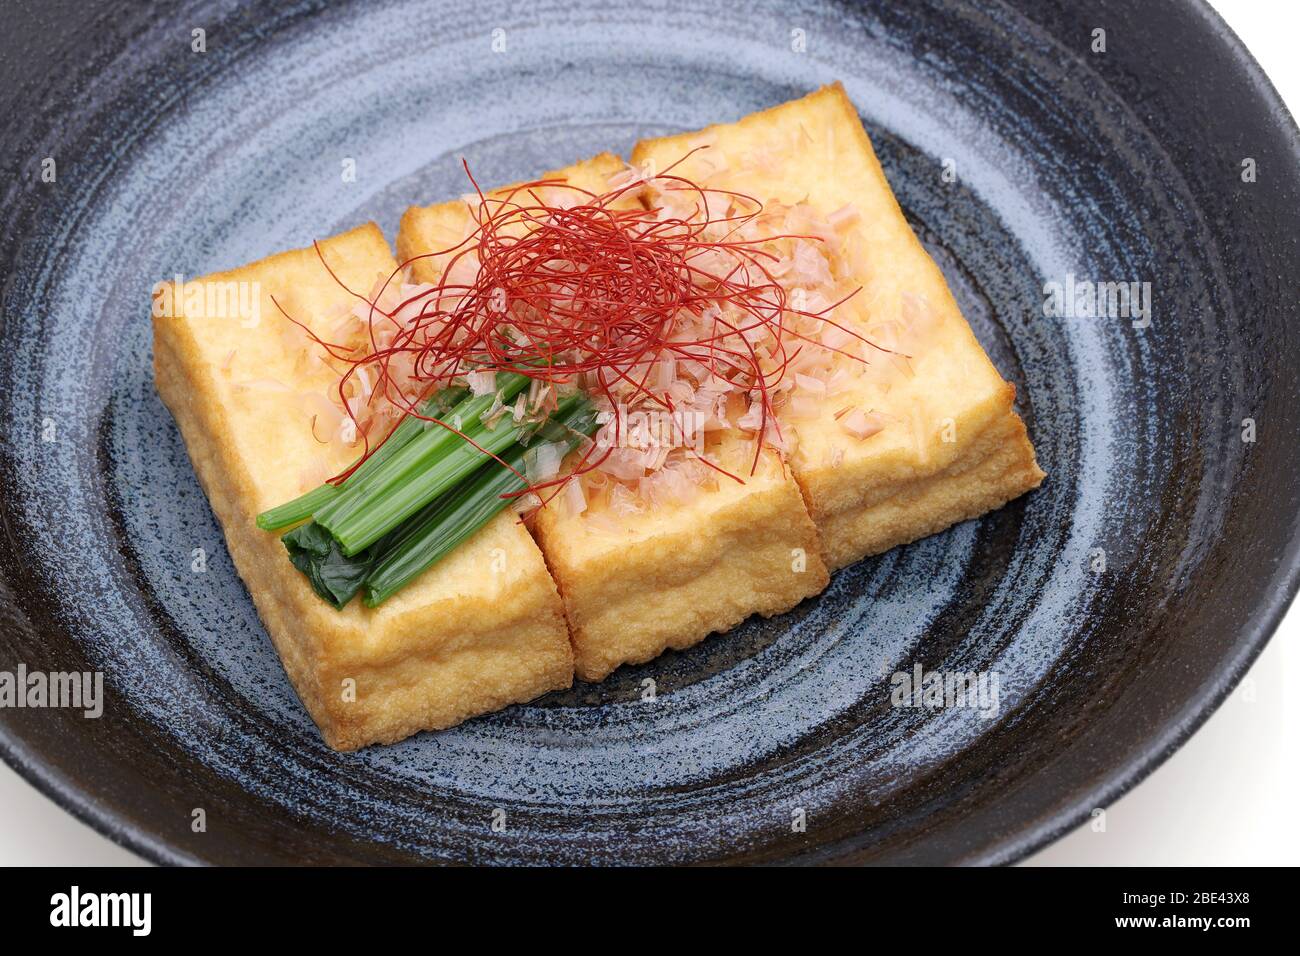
478 631
639 584
952 446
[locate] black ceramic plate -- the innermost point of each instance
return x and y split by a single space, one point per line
1116 605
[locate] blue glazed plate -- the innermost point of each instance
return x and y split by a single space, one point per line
1115 607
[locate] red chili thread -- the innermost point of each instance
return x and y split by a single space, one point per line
588 287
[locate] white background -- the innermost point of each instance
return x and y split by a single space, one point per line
1228 797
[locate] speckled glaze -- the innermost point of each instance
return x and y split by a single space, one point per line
1113 167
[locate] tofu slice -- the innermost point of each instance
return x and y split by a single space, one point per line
480 630
634 586
953 446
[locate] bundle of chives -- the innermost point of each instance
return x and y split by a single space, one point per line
424 447
422 493
419 473
443 526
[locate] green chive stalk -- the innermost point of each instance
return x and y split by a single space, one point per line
445 525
